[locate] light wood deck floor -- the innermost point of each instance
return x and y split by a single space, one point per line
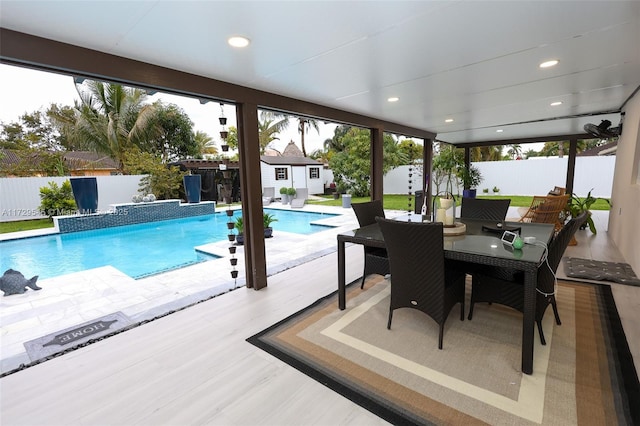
194 366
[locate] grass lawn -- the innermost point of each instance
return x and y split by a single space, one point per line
25 225
400 201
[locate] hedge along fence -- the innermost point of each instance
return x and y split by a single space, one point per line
536 176
20 196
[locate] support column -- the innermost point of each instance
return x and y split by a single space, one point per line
251 194
427 161
571 164
377 163
467 161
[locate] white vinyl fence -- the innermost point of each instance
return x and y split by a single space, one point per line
536 176
20 197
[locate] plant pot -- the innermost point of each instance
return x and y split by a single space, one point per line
234 274
240 239
85 192
233 261
284 198
469 193
336 195
268 232
232 250
223 121
192 187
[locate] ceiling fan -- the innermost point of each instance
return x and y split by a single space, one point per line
603 130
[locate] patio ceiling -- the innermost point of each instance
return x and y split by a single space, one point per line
474 62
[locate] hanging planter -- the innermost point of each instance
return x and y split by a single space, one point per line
225 148
230 213
233 261
232 250
224 134
234 274
232 237
230 225
223 121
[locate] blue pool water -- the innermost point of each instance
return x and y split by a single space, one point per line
136 250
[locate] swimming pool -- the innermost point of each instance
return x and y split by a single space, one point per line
137 250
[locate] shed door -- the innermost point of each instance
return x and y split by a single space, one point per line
299 175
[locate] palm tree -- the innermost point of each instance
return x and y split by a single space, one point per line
112 118
514 151
303 125
269 125
205 143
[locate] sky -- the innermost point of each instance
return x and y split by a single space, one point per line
25 90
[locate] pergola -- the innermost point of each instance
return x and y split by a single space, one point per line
40 53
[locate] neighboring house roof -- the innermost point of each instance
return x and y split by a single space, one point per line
292 150
289 161
78 160
606 149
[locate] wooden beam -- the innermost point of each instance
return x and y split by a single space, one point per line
251 194
377 163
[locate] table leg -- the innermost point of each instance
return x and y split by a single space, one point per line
528 321
341 276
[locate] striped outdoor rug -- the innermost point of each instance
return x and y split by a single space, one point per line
584 375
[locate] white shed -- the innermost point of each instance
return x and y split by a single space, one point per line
296 172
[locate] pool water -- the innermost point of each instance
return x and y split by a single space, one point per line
137 250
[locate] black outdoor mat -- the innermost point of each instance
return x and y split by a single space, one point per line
621 273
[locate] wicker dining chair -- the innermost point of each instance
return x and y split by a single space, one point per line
376 260
547 209
419 276
479 208
506 287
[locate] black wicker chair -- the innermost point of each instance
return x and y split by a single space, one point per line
419 277
375 259
478 208
506 287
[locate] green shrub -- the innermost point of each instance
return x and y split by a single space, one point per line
57 200
291 192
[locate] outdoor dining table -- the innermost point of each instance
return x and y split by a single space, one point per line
477 246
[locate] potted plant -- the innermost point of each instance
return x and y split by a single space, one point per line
267 220
578 205
240 228
485 191
471 178
291 192
496 190
284 197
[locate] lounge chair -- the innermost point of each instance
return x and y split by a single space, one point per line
301 198
268 194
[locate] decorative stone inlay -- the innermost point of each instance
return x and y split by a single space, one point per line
61 340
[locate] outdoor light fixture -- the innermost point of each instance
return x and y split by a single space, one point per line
499 131
238 41
393 99
449 120
556 103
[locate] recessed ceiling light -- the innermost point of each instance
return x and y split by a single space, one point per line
393 99
548 64
499 131
238 41
556 103
449 120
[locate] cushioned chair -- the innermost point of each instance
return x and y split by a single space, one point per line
268 194
479 208
506 287
375 259
419 277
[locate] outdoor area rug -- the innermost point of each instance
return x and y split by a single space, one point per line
584 375
621 273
